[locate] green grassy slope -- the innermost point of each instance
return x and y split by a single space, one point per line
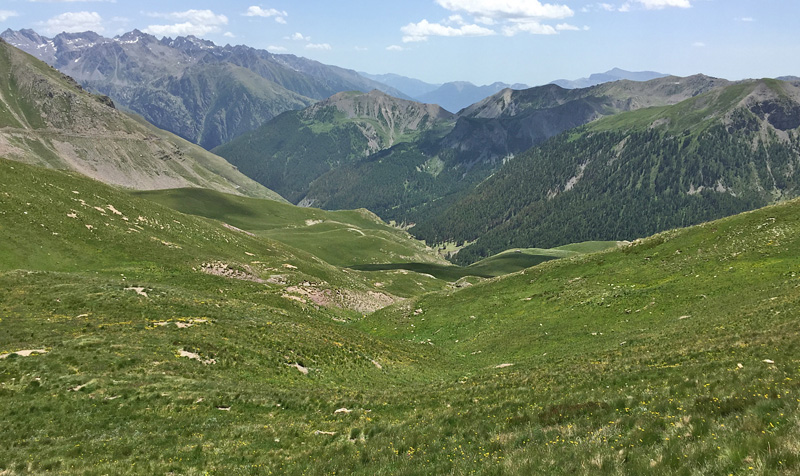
342 238
351 238
674 355
646 359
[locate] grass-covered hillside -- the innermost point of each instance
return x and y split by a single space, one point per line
47 119
341 238
138 340
636 173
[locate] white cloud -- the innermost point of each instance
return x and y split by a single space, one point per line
194 16
298 37
228 34
699 44
566 27
73 22
395 48
361 48
279 15
659 4
532 27
456 20
6 14
598 6
197 22
422 30
318 46
490 16
276 49
747 19
508 9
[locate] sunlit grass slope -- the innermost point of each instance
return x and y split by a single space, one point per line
677 354
354 238
342 238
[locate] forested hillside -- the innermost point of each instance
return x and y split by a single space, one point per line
637 173
298 147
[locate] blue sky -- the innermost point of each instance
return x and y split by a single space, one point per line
482 41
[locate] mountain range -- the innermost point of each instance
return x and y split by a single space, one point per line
457 95
453 96
614 74
205 93
402 180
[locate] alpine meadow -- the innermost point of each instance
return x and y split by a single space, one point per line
246 260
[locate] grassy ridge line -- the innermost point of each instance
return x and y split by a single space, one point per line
500 264
354 238
341 238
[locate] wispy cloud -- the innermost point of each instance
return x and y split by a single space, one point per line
532 27
6 14
594 7
319 46
660 4
508 9
276 49
195 22
424 29
297 36
395 48
278 15
630 5
72 22
699 44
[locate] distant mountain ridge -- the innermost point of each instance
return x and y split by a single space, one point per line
453 96
207 94
413 88
457 95
47 119
614 74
